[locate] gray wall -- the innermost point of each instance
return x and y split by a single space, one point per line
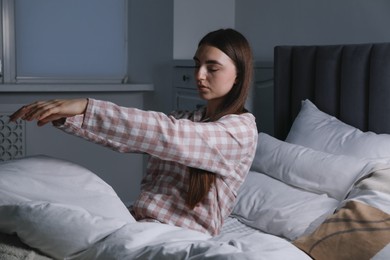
151 49
192 20
268 23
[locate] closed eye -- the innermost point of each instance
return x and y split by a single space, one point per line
212 69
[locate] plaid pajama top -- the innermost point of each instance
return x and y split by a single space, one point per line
225 147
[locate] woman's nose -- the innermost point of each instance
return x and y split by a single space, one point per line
200 73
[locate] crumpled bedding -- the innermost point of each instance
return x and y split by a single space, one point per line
142 240
136 241
98 225
65 211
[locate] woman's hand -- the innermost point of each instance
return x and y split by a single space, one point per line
51 110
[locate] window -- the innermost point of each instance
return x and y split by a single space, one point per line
64 41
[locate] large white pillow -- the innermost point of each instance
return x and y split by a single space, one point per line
42 178
320 131
277 208
311 170
57 206
56 230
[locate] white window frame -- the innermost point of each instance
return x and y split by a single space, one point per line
8 41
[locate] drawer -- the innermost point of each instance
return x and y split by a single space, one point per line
183 77
188 100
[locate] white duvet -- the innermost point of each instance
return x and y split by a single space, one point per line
159 241
67 212
63 232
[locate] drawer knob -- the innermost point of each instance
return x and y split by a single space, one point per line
186 78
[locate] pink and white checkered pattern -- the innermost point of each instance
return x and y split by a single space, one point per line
225 147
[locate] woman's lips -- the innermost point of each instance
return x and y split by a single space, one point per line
202 88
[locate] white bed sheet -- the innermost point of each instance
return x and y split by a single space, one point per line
159 241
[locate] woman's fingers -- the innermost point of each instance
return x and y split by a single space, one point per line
24 112
48 119
18 114
37 109
46 111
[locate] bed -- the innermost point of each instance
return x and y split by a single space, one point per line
319 188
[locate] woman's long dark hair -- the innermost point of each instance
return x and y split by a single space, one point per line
234 45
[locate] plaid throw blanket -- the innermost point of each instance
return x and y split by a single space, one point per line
358 230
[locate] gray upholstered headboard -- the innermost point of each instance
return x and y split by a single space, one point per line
351 82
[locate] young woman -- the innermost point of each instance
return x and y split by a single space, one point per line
199 159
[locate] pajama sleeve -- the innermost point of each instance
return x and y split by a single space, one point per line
214 146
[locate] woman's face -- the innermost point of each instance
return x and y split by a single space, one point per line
215 74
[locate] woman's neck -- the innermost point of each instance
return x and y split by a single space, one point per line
212 108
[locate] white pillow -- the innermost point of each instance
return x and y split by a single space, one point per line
42 178
56 230
57 206
308 169
320 131
279 209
